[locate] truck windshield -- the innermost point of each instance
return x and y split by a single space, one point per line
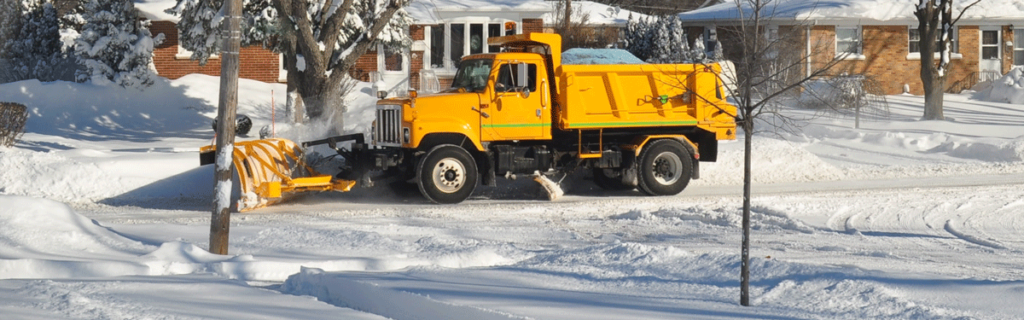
472 75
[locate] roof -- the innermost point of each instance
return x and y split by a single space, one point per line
434 11
863 11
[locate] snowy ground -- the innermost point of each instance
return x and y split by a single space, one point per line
105 214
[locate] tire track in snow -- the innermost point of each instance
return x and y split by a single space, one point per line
953 227
842 221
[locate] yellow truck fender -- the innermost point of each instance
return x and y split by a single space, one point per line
423 127
641 141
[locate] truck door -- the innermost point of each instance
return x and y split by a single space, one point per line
518 111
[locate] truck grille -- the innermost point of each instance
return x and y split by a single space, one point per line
388 132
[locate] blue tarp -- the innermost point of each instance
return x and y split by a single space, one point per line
599 56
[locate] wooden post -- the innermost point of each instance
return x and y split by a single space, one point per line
220 222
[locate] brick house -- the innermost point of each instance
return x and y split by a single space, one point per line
442 32
882 40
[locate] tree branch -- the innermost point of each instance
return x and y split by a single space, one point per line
359 47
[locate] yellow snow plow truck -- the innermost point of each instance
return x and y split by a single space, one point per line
521 112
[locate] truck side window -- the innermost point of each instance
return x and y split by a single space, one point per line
508 77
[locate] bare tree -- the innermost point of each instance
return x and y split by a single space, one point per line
321 47
576 30
320 40
767 71
935 22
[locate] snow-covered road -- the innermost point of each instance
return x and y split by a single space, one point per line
104 214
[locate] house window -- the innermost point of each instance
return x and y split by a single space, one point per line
394 58
493 30
437 40
989 45
772 33
848 40
710 38
457 43
1018 47
451 41
915 41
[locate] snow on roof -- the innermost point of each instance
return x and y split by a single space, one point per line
154 9
432 11
863 10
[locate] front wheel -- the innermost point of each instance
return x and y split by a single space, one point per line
447 174
665 168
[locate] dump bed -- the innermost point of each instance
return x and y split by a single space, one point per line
641 95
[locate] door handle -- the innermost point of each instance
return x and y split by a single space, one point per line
538 113
482 113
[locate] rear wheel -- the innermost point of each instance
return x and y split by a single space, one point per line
447 174
665 168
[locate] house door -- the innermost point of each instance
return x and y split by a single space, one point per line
393 69
990 66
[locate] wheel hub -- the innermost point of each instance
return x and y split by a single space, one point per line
449 175
667 168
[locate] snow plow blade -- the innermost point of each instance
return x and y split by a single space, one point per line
271 170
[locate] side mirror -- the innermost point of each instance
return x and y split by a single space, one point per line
499 87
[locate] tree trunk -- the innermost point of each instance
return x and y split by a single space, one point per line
748 129
933 97
934 82
294 104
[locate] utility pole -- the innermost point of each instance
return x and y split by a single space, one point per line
568 15
220 222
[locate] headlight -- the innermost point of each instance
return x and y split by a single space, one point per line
406 135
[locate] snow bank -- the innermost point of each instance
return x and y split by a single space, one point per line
649 281
1009 88
773 161
599 56
36 227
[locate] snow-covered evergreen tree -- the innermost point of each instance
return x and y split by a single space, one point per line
33 45
698 53
11 12
199 29
679 45
72 19
115 46
629 35
640 39
662 50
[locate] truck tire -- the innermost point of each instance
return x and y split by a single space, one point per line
610 182
447 174
665 168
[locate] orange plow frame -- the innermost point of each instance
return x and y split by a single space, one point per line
269 171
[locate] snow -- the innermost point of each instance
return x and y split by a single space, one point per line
433 11
861 11
106 214
1008 88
